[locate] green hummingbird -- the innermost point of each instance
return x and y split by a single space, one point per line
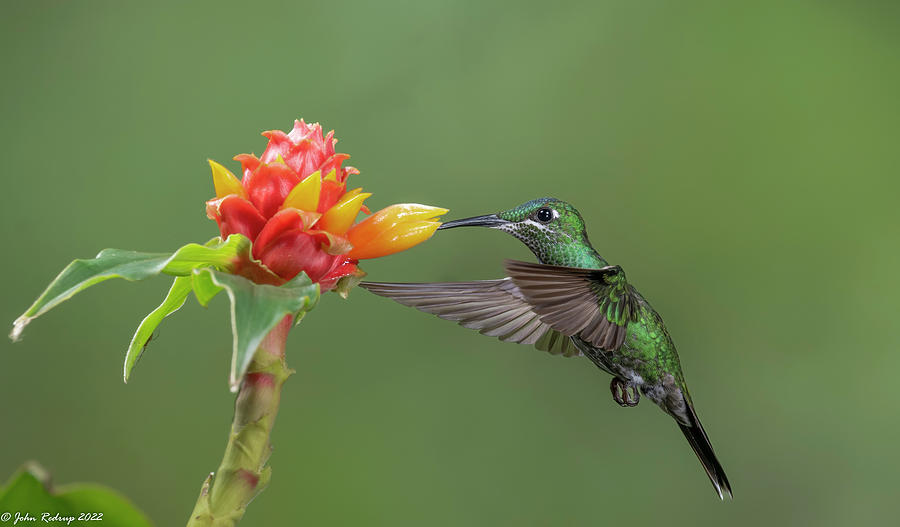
571 303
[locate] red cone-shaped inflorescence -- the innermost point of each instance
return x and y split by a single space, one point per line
293 204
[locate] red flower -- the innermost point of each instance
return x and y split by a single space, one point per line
293 205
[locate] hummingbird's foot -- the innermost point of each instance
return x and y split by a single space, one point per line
621 395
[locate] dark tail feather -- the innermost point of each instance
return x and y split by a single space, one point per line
696 436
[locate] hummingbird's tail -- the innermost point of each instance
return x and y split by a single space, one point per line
699 441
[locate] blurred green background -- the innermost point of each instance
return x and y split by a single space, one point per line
739 160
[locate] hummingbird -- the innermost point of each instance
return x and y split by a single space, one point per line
571 303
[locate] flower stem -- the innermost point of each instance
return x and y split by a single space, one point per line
244 473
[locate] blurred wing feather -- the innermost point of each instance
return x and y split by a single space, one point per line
595 305
493 307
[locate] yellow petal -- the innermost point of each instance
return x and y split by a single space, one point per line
401 237
305 195
387 217
340 217
331 176
349 194
413 211
224 181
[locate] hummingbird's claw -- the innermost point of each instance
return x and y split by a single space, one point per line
621 395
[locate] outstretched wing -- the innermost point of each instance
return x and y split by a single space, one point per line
593 304
493 307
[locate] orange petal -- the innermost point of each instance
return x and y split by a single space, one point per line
399 238
224 181
387 217
305 195
341 216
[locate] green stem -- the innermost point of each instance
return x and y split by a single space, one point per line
244 473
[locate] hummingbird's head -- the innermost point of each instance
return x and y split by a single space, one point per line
551 228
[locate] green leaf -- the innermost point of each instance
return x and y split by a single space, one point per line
27 492
204 288
178 293
256 309
215 252
131 265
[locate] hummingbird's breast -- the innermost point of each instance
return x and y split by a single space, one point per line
647 359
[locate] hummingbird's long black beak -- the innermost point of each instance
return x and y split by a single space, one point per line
489 220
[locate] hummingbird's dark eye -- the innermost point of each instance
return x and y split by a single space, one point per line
544 215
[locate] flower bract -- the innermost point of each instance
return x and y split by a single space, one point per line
293 204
